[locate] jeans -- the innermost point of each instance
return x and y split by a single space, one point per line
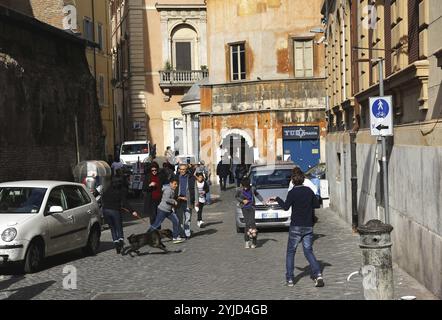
296 235
208 199
223 183
152 211
184 216
161 216
115 221
200 211
249 219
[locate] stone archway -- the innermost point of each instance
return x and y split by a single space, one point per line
237 146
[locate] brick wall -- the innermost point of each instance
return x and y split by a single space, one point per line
44 82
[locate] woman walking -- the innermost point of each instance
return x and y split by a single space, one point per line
152 192
114 200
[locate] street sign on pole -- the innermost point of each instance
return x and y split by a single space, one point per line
381 118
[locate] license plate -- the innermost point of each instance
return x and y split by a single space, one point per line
270 215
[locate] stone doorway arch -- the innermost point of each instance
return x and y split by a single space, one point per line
237 147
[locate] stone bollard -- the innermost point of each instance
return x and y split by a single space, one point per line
377 266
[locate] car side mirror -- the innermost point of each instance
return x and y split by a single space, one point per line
55 209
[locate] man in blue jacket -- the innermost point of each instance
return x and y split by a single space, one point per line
303 202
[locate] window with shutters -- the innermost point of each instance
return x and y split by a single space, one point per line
238 62
100 36
303 58
88 29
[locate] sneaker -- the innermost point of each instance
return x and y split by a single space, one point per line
247 246
253 246
178 240
200 224
289 283
319 281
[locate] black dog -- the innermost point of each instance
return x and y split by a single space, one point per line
151 238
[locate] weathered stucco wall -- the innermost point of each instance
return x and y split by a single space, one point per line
44 82
267 27
415 189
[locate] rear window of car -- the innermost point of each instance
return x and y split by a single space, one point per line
271 178
21 200
128 149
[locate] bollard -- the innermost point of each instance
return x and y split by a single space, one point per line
377 266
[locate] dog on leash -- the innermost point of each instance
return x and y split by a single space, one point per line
151 238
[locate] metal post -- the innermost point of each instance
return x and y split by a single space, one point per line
384 148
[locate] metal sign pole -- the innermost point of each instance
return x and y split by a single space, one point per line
384 148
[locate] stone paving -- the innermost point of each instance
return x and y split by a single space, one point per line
213 265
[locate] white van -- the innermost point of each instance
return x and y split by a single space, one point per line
132 151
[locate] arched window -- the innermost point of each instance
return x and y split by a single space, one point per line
184 48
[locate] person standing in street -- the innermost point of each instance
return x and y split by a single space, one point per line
223 171
152 191
186 199
114 200
240 173
246 198
201 189
201 168
165 210
303 201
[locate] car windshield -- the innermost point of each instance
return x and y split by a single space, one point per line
271 178
21 200
135 149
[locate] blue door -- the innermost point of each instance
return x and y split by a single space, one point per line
304 153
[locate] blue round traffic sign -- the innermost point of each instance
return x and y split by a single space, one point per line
380 108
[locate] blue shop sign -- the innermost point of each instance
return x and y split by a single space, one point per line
300 133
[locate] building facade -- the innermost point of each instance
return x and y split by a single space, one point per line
160 52
265 99
405 35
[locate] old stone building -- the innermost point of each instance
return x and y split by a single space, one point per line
405 34
45 86
160 52
265 99
90 20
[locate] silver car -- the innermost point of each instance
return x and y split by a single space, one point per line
270 181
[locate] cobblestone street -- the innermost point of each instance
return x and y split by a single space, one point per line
213 265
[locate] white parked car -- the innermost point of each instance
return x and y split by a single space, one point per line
44 218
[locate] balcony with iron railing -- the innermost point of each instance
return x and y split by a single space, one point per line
177 78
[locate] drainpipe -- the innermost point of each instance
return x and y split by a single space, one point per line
93 37
344 62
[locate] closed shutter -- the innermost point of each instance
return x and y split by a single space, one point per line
183 56
308 58
354 43
299 59
303 58
387 28
413 31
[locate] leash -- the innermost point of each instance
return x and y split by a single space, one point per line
128 211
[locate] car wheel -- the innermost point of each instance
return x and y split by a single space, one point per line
93 242
34 257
